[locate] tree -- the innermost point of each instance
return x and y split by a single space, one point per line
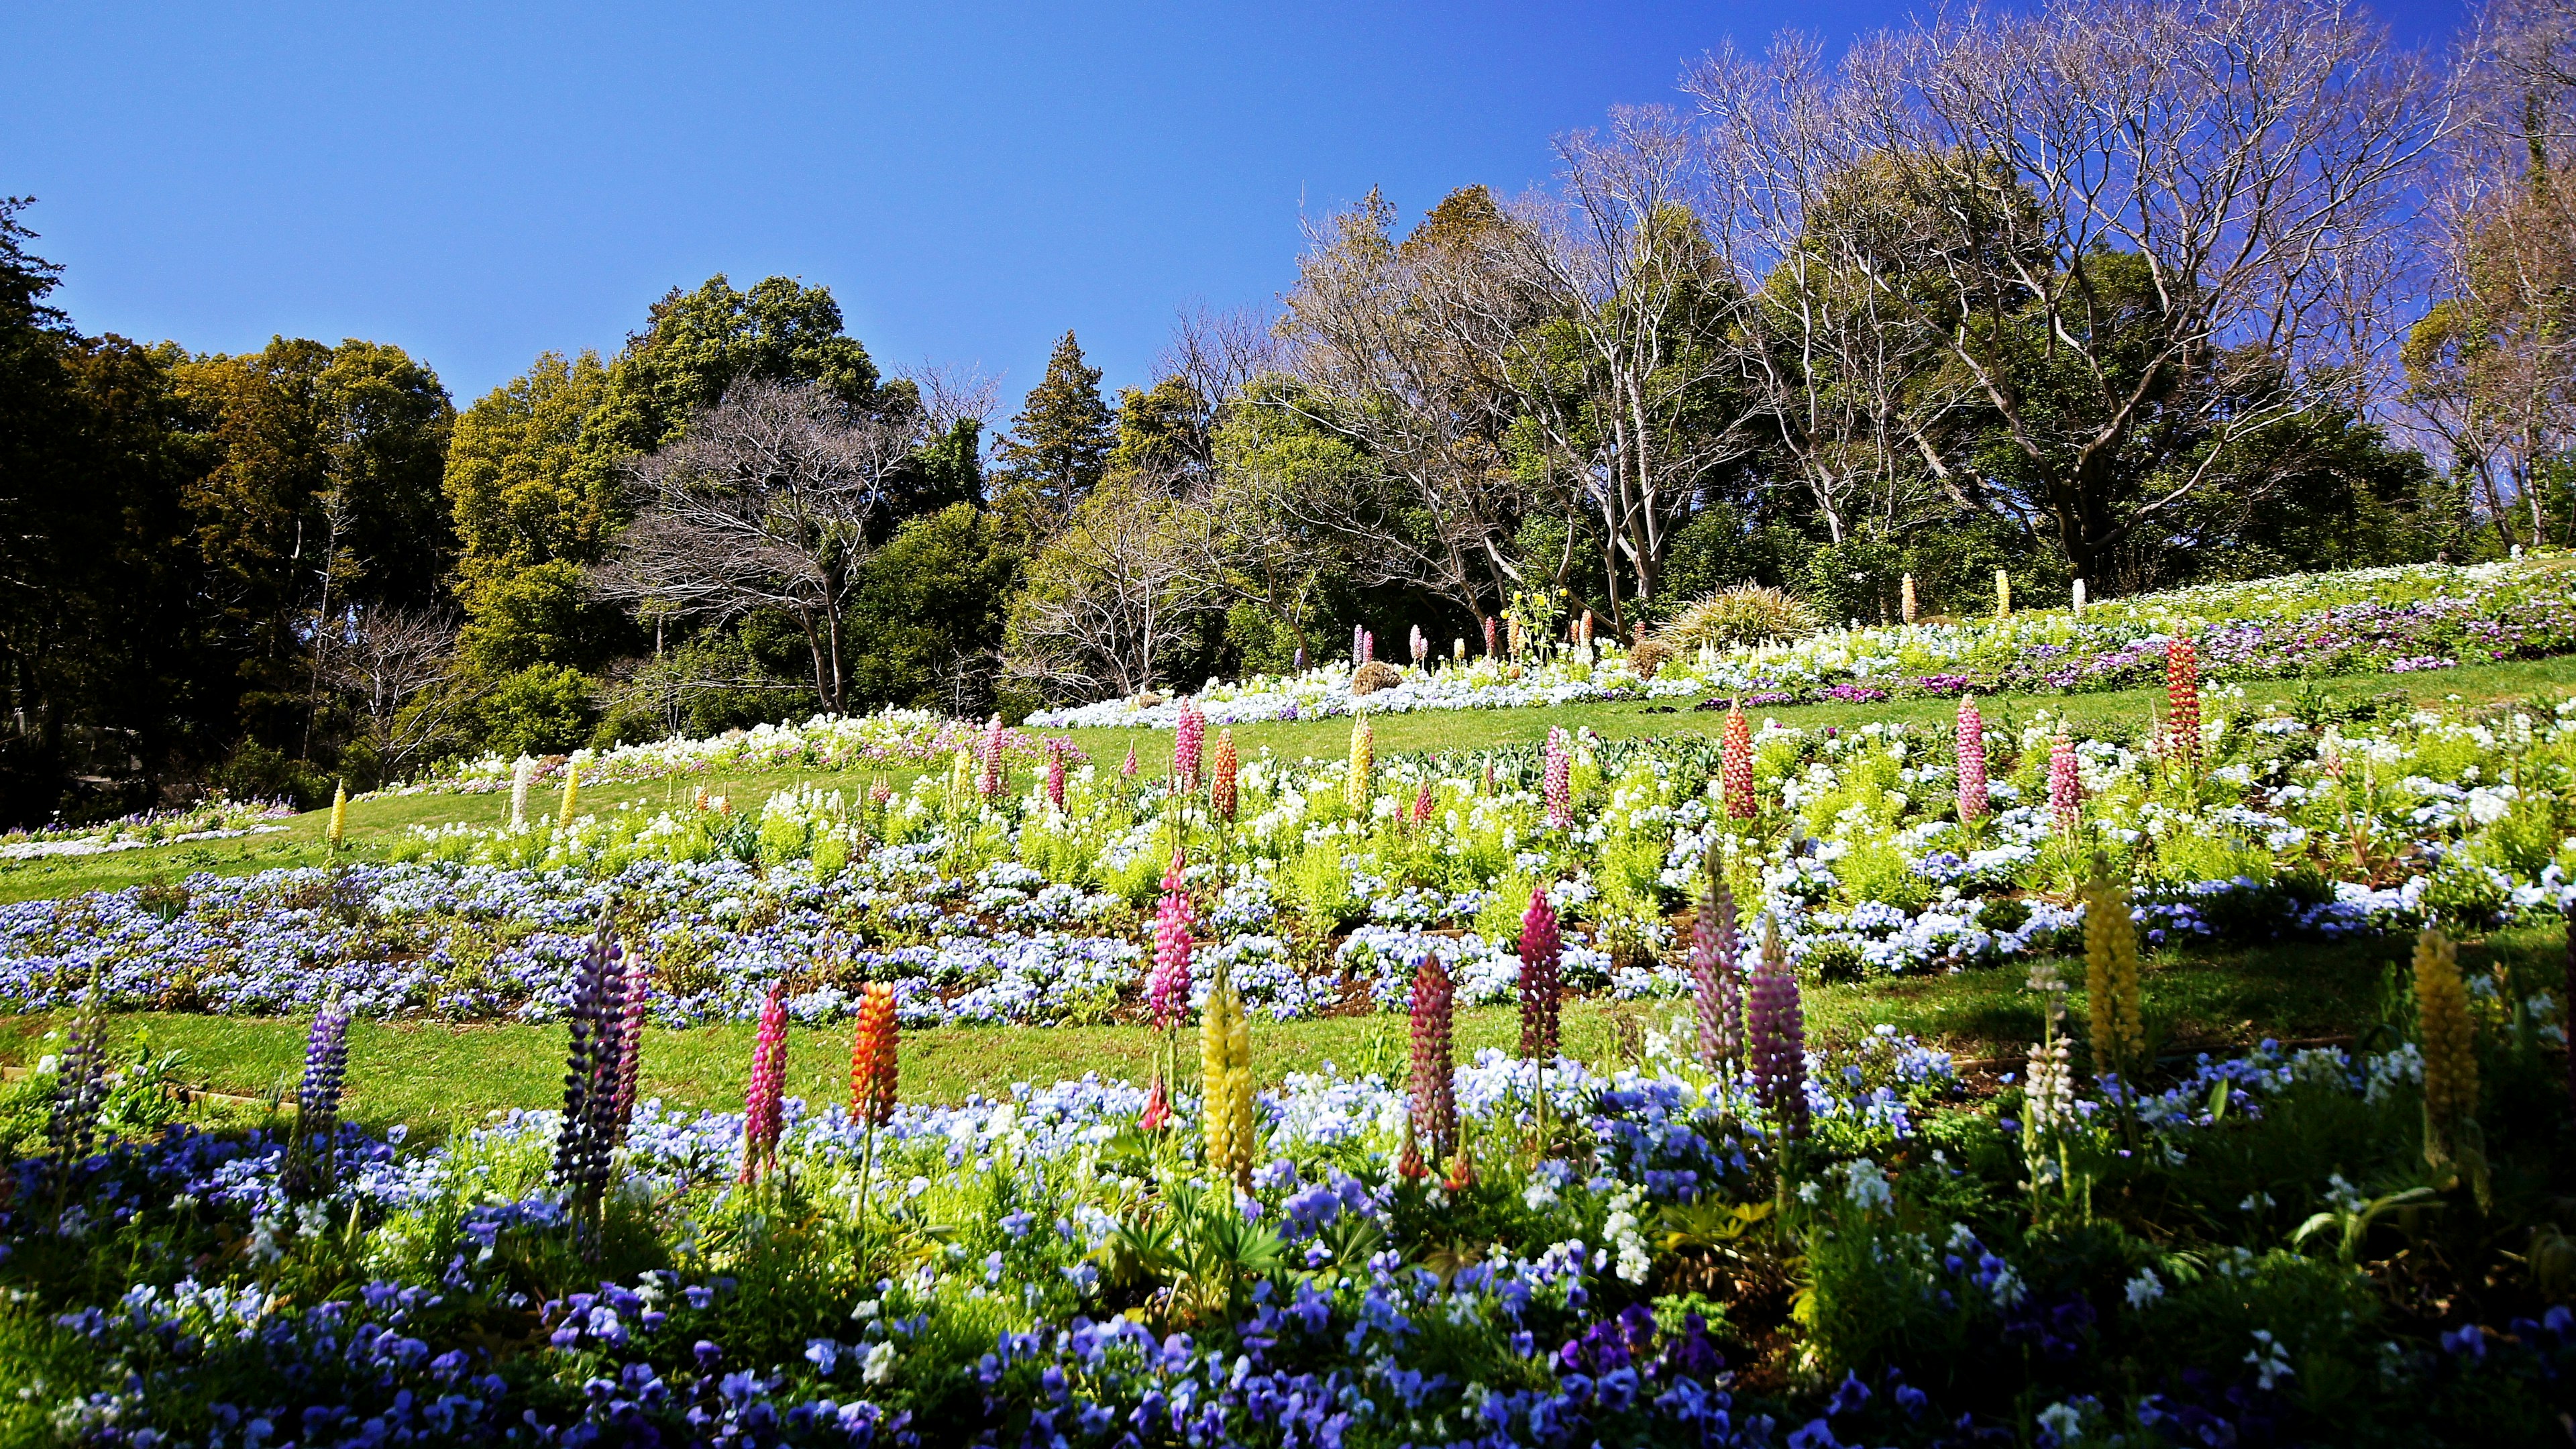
397 668
1111 596
696 345
929 614
1059 445
2147 202
767 502
533 483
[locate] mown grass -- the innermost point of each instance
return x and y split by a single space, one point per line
374 824
437 1077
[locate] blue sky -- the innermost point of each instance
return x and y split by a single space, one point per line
483 183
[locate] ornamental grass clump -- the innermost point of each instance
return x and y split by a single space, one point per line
589 1131
764 1105
1735 766
2449 1044
2112 1001
1431 1127
1556 780
1775 1031
873 1056
1224 777
1225 1070
1717 988
1971 747
1739 617
1189 737
1360 788
1542 982
311 1160
2065 786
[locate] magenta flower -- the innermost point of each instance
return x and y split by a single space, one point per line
1187 738
1055 774
1542 979
1167 987
988 781
1776 1036
2065 785
764 1106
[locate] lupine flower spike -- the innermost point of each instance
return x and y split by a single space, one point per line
2065 786
988 779
630 1042
872 1056
339 830
1775 1032
2182 706
1972 760
588 1132
1129 769
1055 774
1489 636
317 1104
80 1089
572 793
1542 978
1735 765
522 774
1225 1067
1717 987
1434 1096
2449 1045
1222 782
1167 988
1556 780
1189 736
2111 992
1360 789
764 1106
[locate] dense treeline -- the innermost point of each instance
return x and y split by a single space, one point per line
2139 294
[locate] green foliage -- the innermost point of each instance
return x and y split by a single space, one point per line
544 709
930 606
1749 614
1058 447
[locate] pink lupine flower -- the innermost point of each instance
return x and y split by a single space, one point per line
1187 738
1972 760
2065 785
1542 980
764 1106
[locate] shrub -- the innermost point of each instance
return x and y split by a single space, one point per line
1648 657
1744 615
544 709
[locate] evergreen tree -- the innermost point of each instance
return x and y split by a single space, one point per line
1059 445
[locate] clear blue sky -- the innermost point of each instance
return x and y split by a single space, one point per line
478 184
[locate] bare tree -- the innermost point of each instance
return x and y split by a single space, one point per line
1374 334
1843 371
1623 374
1111 595
2145 200
767 503
397 669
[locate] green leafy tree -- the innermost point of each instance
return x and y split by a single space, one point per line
930 611
697 344
1058 447
533 485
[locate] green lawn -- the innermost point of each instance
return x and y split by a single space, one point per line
436 1077
374 823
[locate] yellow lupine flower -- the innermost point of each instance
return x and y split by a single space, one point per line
1362 786
339 814
2449 1042
572 793
2111 993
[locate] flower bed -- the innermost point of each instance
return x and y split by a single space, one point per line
2393 620
825 742
1013 907
1656 1256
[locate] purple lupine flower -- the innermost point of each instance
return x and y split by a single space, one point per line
583 1141
1776 1035
630 1042
1972 760
1542 980
312 1161
80 1085
1717 986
